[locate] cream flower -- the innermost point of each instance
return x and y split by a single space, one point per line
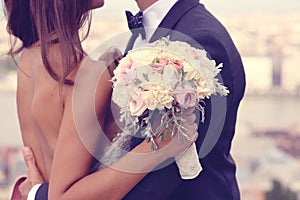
121 95
202 89
157 96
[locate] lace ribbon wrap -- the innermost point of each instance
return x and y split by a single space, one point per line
188 163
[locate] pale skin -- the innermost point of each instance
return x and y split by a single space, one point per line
48 128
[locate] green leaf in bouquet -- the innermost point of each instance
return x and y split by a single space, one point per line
137 81
182 76
162 136
166 40
183 136
174 130
155 60
129 124
146 77
153 144
147 140
201 109
114 79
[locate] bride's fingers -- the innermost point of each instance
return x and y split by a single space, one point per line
192 128
188 111
176 147
194 137
189 119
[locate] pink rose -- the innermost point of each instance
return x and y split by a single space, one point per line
128 65
136 105
177 64
185 96
157 67
123 72
164 61
123 77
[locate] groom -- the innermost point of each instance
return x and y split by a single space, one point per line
217 181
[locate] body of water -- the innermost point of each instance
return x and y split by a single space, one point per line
274 112
9 126
277 112
256 112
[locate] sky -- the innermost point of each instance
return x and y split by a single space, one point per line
217 6
223 6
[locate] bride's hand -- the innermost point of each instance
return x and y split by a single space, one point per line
33 174
176 146
143 158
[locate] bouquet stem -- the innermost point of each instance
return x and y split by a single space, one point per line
188 163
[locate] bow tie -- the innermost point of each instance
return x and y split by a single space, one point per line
135 24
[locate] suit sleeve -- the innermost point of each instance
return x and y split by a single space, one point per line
42 192
159 184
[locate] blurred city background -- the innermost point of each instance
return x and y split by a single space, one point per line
266 146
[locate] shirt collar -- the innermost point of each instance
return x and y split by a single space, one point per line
152 17
154 14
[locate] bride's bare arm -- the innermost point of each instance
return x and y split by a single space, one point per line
72 160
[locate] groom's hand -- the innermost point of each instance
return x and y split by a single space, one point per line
111 58
33 177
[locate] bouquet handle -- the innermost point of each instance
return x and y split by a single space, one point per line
188 163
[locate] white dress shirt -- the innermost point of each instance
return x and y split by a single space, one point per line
152 17
33 191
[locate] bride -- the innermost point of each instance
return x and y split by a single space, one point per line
51 57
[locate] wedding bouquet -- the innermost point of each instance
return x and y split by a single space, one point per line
165 77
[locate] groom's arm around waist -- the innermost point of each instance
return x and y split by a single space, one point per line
39 192
159 184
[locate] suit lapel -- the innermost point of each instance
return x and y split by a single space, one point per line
173 16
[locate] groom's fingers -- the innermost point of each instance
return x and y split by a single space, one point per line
33 171
33 177
28 157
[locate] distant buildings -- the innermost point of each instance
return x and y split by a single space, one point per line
270 47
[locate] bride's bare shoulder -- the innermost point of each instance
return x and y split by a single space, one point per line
90 64
28 58
91 70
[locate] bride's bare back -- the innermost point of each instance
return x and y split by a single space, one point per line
40 107
41 104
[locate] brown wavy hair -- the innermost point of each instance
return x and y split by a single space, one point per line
50 21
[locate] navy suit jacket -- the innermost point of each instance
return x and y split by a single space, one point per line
217 181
